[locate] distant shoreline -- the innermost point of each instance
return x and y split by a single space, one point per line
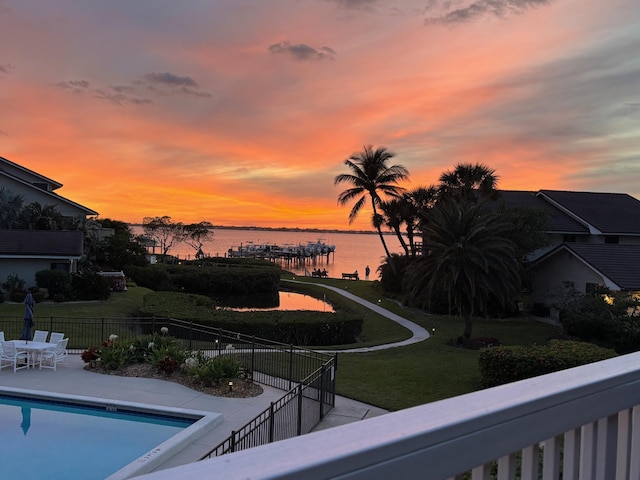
288 229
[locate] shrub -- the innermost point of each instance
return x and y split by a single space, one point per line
499 365
57 282
13 282
212 371
90 286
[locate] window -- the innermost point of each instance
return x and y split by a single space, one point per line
569 238
612 239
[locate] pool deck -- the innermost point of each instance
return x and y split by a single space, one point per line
236 412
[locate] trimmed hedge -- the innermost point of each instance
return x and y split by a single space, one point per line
500 365
212 279
299 327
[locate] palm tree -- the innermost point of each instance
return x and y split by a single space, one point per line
468 182
370 175
394 213
420 201
10 208
470 260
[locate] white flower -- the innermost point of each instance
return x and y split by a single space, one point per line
190 362
113 337
132 348
164 330
151 345
230 347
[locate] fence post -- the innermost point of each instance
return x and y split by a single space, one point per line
233 441
191 335
219 342
253 356
102 336
299 423
272 423
290 365
323 373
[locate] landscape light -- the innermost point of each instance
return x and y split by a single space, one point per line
231 386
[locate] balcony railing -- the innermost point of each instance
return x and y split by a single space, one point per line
582 423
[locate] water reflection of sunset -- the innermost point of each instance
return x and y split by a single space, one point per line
294 301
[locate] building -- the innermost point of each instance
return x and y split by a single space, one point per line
24 252
594 241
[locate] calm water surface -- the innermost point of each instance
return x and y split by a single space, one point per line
354 251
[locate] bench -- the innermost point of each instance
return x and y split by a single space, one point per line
350 276
320 274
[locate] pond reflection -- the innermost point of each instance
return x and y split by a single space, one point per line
279 301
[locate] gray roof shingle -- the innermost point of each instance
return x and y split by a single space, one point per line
611 213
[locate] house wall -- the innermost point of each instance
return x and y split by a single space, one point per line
26 268
43 198
547 281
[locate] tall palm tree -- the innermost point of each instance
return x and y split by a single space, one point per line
394 213
370 176
470 260
469 182
420 201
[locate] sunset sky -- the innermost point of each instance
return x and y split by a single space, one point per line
242 112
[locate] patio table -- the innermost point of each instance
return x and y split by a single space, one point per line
32 348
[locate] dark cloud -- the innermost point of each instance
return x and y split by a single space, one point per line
303 52
169 79
136 93
5 68
75 86
479 9
354 4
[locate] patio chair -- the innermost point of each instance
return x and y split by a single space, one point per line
56 337
10 357
40 336
1 340
54 355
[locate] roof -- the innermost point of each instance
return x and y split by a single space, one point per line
29 176
610 213
619 263
52 243
560 222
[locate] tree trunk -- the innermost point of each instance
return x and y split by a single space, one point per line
468 326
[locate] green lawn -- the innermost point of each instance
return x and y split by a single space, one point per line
392 379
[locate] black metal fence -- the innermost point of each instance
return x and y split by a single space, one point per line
296 413
306 375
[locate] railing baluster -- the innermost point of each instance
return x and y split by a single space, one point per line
587 451
529 465
551 459
571 455
507 467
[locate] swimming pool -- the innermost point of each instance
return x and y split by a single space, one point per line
68 436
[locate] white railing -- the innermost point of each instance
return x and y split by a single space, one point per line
583 422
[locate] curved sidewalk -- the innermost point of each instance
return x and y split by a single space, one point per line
418 333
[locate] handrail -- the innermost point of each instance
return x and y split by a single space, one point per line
591 413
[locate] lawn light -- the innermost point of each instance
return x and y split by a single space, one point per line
433 331
231 386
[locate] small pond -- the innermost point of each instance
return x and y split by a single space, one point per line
279 301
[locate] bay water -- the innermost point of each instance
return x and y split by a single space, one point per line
353 251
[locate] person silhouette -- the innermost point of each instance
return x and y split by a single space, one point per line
367 270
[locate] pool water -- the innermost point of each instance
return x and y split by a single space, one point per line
43 439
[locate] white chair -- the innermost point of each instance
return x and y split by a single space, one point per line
56 337
1 341
10 357
40 336
50 357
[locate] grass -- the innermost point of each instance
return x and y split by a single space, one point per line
393 379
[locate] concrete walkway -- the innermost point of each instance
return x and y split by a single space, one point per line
418 333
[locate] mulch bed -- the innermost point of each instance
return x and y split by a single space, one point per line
241 388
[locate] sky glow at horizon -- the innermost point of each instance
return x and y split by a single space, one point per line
242 112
